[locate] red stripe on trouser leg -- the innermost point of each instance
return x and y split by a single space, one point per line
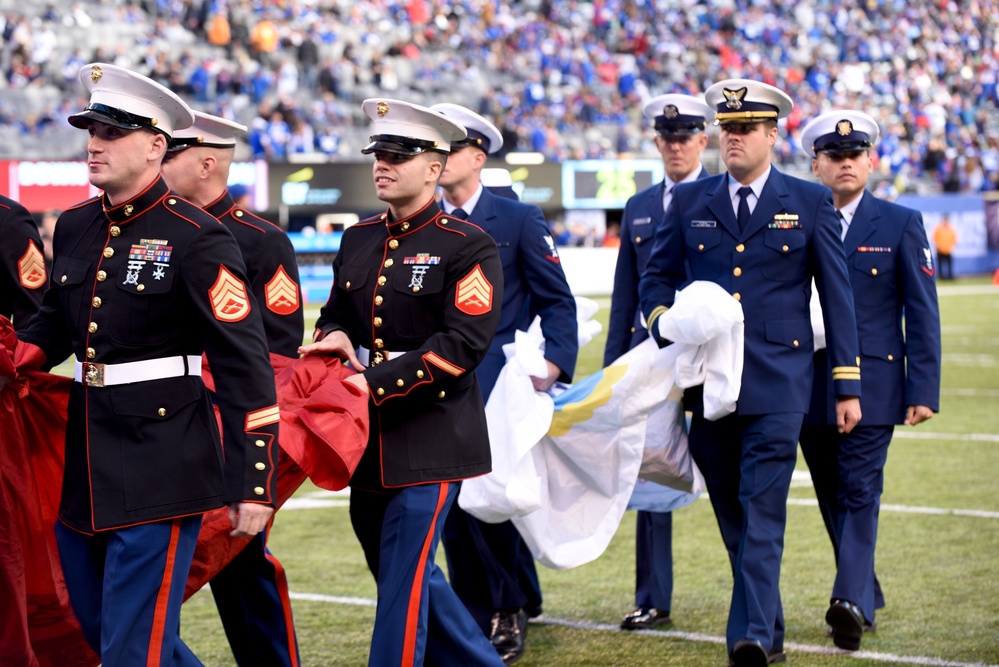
163 599
413 611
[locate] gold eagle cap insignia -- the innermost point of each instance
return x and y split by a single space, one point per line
382 108
733 98
96 73
844 128
670 111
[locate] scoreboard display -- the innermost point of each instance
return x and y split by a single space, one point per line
607 184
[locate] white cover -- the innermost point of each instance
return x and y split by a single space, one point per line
710 323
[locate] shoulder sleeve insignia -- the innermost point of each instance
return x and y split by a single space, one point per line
31 268
927 266
230 302
281 293
474 293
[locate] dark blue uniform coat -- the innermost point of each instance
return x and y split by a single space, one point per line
748 458
643 214
490 566
533 284
893 278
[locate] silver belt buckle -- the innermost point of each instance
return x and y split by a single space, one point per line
93 374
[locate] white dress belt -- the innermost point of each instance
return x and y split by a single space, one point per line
106 375
364 355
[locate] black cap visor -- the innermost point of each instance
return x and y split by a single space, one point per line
112 116
835 143
389 143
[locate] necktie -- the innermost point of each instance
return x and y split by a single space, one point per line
743 215
843 225
459 213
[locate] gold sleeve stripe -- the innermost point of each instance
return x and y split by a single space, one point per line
846 376
262 417
654 315
443 364
845 369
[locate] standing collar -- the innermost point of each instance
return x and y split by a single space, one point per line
410 224
221 206
137 205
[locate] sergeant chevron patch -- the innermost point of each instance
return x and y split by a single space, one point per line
31 267
474 293
281 293
230 302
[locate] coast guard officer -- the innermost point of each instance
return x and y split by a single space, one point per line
491 568
680 122
22 264
762 236
891 269
144 282
251 592
417 293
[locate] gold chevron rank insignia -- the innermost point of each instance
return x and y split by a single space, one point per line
230 302
281 293
31 268
474 293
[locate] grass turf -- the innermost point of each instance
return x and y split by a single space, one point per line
939 571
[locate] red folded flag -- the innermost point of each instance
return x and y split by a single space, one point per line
324 429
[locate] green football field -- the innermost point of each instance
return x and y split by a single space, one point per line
938 552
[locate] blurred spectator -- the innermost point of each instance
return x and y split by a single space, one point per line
560 78
945 239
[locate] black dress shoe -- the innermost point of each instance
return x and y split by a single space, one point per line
847 623
868 627
749 653
508 634
776 655
646 618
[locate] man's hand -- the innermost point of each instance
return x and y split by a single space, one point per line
248 519
917 414
338 344
847 413
545 383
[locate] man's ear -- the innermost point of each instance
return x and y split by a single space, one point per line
158 146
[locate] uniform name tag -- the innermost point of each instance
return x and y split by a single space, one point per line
703 224
641 221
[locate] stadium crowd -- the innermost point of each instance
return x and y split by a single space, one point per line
566 79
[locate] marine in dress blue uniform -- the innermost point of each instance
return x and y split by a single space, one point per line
144 283
417 293
892 273
251 592
23 277
680 122
762 236
491 568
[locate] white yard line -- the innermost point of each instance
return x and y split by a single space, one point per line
686 636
